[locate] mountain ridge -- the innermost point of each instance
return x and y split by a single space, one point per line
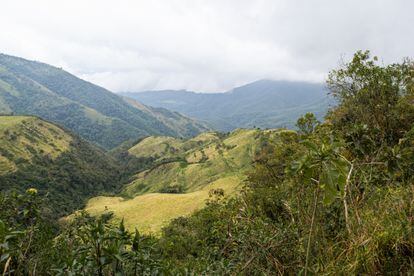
98 115
263 103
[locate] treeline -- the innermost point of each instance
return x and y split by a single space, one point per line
334 198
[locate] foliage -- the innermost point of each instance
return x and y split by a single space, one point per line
324 166
87 246
307 123
335 198
25 234
375 102
92 246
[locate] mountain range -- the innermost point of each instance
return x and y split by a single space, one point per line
264 104
96 114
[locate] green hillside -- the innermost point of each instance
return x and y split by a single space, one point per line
96 114
181 176
37 154
190 165
263 103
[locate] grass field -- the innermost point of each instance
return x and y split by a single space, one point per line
150 212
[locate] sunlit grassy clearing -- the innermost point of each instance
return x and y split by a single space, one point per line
150 212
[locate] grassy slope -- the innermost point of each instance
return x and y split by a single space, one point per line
22 137
205 162
35 153
155 146
150 212
194 163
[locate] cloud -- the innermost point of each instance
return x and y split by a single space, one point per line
202 45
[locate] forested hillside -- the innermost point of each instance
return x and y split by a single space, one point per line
64 168
264 103
334 197
96 114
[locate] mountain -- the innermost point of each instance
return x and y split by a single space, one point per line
264 103
38 154
96 114
181 175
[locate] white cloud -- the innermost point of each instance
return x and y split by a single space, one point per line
202 45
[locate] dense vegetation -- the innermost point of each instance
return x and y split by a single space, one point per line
264 104
334 198
38 154
96 114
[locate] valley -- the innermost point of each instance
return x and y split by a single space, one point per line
177 180
131 150
182 175
93 183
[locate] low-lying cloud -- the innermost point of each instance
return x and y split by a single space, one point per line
203 45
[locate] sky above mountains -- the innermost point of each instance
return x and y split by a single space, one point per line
201 45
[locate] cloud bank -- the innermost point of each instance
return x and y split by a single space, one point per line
203 45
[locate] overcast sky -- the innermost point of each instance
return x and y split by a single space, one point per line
203 45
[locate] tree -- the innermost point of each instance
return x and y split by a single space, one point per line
307 123
375 101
